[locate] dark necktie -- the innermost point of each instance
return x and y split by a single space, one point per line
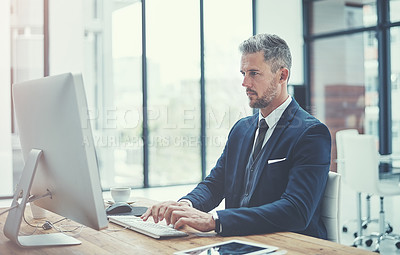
262 129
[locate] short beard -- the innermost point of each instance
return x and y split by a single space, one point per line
266 98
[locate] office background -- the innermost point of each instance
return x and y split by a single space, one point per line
162 77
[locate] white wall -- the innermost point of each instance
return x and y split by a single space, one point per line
284 18
66 31
6 181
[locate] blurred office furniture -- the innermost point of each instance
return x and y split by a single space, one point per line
362 223
361 159
344 107
330 207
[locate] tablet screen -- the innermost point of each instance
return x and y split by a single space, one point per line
230 247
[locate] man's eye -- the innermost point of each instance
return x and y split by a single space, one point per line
253 73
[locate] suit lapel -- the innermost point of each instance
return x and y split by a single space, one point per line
266 151
248 140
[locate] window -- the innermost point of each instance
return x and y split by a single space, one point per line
350 81
171 93
27 56
394 10
121 146
226 100
171 101
334 15
344 66
6 181
173 66
395 85
343 90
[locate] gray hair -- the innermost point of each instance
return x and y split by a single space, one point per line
276 51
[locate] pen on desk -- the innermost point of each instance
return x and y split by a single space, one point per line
279 252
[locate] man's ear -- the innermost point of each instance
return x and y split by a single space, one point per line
284 74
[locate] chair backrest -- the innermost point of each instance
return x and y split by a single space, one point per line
330 206
340 136
362 163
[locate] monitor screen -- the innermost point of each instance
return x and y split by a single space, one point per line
51 116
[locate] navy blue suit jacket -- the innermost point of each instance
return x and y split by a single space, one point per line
290 181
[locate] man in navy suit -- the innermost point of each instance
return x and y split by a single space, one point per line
274 167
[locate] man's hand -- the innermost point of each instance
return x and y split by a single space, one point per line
180 214
158 210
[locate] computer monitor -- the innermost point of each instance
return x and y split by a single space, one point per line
60 158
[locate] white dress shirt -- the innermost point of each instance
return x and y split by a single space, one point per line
272 119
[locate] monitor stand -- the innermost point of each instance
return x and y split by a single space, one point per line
14 217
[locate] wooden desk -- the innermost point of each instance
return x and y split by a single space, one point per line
126 241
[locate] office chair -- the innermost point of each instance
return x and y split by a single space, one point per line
330 207
362 223
361 159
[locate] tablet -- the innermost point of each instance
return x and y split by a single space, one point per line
230 247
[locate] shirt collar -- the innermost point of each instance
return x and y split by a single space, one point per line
273 118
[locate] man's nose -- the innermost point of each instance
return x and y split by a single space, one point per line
246 81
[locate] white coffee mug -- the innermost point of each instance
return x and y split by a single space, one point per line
120 194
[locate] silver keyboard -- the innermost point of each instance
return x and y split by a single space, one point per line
155 230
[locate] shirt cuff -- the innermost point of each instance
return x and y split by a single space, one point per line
187 201
218 228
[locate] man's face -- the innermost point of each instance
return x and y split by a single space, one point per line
262 86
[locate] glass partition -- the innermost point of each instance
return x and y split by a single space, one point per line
344 88
334 15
